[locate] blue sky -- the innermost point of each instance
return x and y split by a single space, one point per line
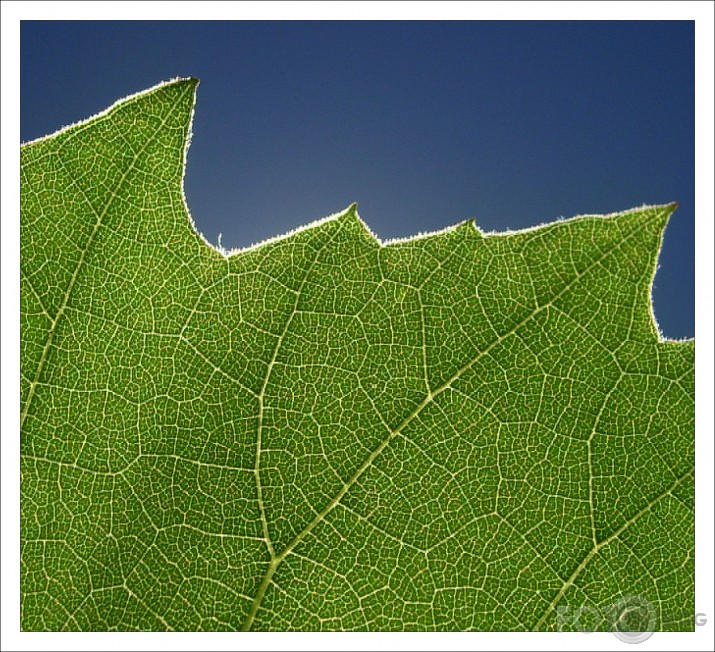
424 124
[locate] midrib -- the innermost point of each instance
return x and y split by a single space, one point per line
277 559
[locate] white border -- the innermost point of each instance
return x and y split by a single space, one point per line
13 12
704 325
360 10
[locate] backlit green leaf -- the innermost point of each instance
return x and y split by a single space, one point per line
457 431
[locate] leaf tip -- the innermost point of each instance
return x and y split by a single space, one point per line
184 81
351 214
661 215
471 224
670 208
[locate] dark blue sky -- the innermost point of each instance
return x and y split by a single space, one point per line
424 124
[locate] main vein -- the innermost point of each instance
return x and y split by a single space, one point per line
278 558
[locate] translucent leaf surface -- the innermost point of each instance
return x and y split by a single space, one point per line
457 431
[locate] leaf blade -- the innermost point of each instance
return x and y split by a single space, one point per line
329 432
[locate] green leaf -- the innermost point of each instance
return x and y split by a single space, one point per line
458 431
